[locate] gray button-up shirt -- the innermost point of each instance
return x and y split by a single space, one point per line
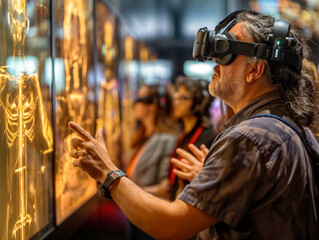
254 179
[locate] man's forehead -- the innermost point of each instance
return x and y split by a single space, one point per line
241 33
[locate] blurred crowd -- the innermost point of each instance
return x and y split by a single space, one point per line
302 14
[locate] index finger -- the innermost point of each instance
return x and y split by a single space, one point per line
80 131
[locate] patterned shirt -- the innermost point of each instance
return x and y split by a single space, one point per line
254 179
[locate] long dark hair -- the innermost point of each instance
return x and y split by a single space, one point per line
298 90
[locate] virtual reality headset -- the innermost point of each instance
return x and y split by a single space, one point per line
222 45
145 100
160 99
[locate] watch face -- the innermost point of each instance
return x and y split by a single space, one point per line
116 174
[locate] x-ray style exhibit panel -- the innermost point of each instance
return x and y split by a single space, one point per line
107 80
26 144
75 99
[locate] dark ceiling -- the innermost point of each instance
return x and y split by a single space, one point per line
169 26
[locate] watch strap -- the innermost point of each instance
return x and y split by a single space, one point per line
110 178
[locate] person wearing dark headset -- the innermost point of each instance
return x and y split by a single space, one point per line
191 103
153 142
154 139
257 181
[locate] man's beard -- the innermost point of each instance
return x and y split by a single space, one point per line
225 90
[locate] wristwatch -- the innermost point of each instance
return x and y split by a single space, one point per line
110 178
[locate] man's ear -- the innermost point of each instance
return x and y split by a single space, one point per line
255 70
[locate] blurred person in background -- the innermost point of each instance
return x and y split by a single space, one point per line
191 103
154 141
189 163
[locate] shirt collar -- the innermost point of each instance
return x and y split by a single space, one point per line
254 107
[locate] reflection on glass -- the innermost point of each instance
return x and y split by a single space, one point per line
110 117
144 54
73 186
108 108
128 48
27 138
129 90
144 57
75 57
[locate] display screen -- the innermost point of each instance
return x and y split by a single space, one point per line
26 145
130 73
107 78
75 99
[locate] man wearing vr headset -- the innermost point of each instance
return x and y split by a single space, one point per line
257 180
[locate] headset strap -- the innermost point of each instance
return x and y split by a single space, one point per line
258 50
223 23
309 172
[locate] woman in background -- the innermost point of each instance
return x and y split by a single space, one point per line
155 137
191 103
154 142
188 165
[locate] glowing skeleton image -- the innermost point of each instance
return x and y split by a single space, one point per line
109 115
28 136
73 186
